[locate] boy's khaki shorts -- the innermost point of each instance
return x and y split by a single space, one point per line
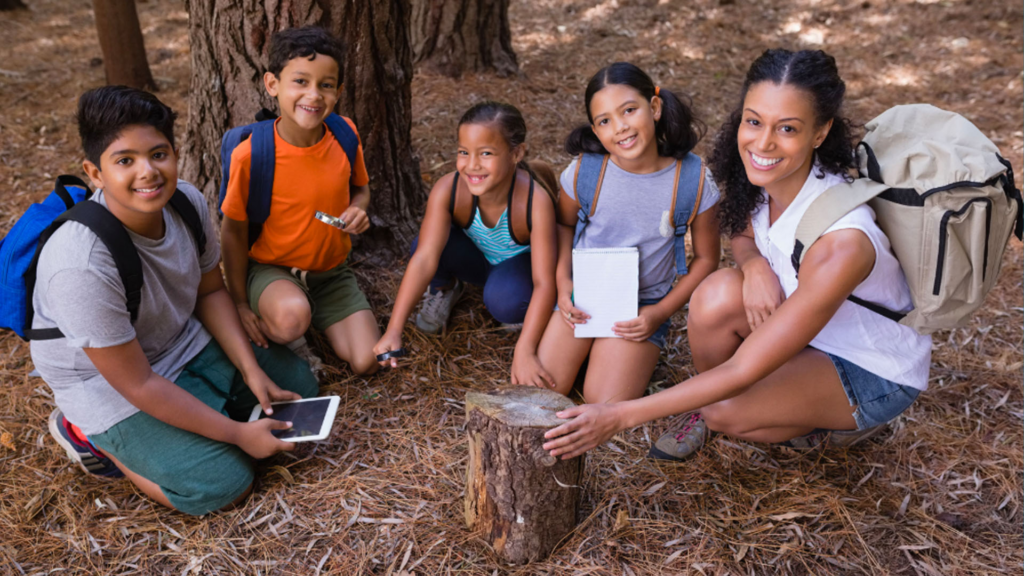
333 295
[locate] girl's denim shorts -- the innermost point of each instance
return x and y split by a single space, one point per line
877 400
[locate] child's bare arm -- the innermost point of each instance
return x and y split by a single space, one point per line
707 251
356 220
526 368
128 371
214 310
234 242
422 266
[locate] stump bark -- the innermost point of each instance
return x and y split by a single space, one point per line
519 497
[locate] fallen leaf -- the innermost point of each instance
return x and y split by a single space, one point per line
283 473
621 520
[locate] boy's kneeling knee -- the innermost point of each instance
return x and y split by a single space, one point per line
220 489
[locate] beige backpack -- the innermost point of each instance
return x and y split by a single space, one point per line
946 200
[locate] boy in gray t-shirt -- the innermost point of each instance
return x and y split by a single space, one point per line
158 399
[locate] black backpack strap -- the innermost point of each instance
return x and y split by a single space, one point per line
114 236
187 211
61 189
461 208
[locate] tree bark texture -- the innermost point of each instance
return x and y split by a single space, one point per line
454 36
230 43
520 498
11 5
124 53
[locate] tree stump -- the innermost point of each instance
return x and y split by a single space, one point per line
522 499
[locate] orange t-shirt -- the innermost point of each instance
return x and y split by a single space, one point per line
305 180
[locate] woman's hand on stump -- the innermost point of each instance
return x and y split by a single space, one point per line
590 426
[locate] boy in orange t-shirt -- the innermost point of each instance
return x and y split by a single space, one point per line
295 273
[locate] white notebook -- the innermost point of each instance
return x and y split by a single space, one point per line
606 285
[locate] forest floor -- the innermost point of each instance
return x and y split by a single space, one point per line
940 492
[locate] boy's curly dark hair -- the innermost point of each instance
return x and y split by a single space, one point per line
813 71
103 113
677 131
305 42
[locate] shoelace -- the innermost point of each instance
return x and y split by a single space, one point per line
433 302
690 423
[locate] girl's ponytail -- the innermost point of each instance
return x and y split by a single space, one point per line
678 130
582 140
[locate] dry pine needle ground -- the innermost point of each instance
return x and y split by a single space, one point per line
939 493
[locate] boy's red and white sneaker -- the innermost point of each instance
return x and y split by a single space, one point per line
90 460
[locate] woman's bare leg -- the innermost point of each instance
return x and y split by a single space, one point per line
804 394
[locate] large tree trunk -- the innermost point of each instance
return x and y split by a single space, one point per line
229 44
455 36
11 5
124 54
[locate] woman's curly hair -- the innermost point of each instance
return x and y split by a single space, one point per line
813 71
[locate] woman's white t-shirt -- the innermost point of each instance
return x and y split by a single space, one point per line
873 342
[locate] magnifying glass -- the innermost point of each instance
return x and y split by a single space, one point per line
331 220
392 354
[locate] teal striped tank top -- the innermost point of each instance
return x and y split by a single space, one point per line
496 243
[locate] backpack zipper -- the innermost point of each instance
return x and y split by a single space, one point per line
944 235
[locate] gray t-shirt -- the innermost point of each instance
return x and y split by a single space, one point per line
635 210
78 290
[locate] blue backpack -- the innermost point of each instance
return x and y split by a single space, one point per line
261 168
686 195
20 250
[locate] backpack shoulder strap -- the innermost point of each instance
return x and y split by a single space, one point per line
261 177
587 188
187 211
113 235
587 181
520 208
461 204
231 139
827 209
345 136
689 181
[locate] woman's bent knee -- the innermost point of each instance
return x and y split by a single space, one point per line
717 298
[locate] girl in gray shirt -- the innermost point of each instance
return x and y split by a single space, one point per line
645 134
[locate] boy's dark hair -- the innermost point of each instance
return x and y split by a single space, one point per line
677 131
103 113
812 71
305 42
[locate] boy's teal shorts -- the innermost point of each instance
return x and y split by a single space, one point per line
199 475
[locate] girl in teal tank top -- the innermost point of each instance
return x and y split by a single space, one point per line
484 225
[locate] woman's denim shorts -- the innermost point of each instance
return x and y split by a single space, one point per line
877 400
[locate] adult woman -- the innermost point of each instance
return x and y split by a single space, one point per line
781 358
